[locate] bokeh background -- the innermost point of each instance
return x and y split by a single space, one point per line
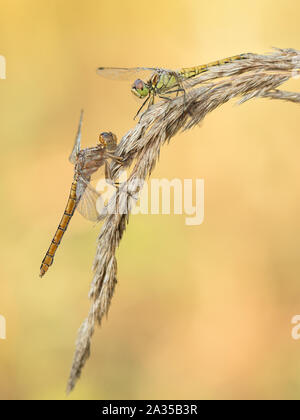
199 312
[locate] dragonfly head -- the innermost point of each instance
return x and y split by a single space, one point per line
140 89
108 140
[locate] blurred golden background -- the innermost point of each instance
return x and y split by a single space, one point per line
199 312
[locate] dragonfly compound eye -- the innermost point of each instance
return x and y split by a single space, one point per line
140 89
108 139
102 140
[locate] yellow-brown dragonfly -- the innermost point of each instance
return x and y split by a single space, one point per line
83 197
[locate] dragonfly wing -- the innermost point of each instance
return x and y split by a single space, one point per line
87 198
77 143
122 73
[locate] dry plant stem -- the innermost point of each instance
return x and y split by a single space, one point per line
257 76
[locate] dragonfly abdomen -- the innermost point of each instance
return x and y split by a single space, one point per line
194 71
62 227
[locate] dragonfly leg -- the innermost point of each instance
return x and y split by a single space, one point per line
166 98
143 104
180 89
108 176
151 102
113 157
177 91
116 184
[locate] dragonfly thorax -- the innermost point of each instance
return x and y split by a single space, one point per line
164 82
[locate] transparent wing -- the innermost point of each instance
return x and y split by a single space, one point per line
77 143
87 200
121 73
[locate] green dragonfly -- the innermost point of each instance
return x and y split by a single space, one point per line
162 82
